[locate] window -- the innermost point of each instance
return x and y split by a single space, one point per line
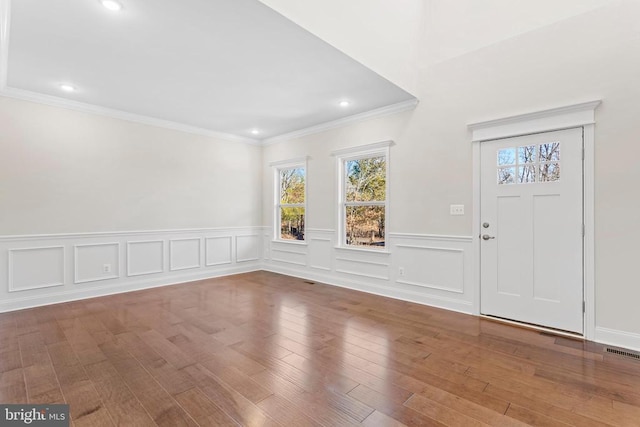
290 206
531 164
363 196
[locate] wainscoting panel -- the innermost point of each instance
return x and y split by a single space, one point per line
438 266
145 257
96 261
427 269
35 268
431 267
218 250
248 248
184 253
44 269
362 268
289 253
320 249
432 270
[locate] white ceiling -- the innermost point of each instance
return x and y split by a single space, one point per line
228 66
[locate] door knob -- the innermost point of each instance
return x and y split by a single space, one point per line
487 237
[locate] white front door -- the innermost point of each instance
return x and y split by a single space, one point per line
531 228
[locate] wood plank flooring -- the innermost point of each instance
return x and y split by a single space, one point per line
263 349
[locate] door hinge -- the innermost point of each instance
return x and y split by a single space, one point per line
583 155
584 306
584 230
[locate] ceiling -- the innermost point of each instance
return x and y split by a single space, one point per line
226 66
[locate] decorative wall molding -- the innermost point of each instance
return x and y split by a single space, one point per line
438 268
413 236
362 149
221 248
448 285
324 231
289 257
79 293
376 287
369 262
77 263
131 262
570 116
320 253
445 283
180 259
247 247
380 112
130 233
55 101
38 272
287 162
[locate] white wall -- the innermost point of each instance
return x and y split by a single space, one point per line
454 28
91 206
382 35
594 55
64 171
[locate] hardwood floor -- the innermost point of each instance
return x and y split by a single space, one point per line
266 349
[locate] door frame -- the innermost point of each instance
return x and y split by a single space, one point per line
572 116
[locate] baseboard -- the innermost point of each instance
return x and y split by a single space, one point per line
418 298
617 338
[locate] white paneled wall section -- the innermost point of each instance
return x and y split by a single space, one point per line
428 269
45 269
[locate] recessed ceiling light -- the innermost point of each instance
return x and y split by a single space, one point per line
344 103
67 87
255 131
111 5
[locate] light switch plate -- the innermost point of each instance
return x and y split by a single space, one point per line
457 209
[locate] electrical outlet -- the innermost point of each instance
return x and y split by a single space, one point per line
106 268
401 271
456 209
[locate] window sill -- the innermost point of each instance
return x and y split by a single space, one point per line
356 249
291 242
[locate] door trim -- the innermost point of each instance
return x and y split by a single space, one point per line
572 116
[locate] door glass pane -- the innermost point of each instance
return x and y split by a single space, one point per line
365 226
527 154
507 157
549 172
550 152
292 223
526 174
506 175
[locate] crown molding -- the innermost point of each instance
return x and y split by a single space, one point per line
379 112
5 14
118 114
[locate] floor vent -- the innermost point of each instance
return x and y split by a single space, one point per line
624 353
309 282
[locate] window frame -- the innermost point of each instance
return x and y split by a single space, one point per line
379 149
299 163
